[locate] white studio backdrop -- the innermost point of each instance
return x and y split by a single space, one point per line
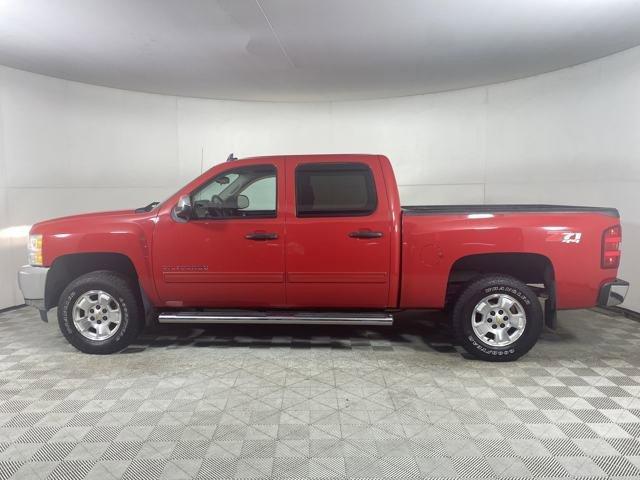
570 136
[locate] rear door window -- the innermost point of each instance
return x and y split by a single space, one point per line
335 189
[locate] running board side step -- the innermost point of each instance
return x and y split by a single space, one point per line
276 317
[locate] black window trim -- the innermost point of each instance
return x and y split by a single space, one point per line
247 217
341 213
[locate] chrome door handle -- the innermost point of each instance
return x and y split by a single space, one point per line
258 236
365 234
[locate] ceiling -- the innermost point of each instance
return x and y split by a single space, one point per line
308 50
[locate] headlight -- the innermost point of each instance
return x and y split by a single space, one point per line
35 250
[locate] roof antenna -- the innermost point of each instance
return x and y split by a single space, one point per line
231 158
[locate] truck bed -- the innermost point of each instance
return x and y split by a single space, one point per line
436 238
504 208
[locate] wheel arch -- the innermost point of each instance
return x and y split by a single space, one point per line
530 268
67 268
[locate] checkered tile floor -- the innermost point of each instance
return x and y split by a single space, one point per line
298 402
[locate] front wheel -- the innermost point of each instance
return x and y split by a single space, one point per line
99 312
497 318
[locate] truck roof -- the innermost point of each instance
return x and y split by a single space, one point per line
319 157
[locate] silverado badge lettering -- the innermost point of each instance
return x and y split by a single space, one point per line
185 268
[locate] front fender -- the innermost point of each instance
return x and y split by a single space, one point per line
129 236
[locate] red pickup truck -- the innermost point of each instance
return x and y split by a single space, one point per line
320 239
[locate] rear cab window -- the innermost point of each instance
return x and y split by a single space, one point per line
335 190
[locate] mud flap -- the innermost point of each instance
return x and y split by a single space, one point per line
550 314
550 311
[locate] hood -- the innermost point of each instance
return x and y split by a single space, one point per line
82 221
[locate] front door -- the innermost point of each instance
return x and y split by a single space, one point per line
231 252
338 234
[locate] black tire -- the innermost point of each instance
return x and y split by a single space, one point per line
473 294
124 293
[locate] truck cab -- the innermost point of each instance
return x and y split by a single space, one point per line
273 232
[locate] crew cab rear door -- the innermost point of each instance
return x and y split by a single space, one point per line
338 233
226 257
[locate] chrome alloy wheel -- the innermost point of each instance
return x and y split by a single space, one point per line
97 315
498 320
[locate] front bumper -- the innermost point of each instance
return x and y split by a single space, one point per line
613 293
32 282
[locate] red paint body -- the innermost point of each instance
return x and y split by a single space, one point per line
314 263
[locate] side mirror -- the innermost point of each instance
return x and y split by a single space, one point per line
243 202
183 209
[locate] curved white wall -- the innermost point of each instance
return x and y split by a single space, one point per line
566 137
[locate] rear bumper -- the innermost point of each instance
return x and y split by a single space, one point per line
613 293
32 282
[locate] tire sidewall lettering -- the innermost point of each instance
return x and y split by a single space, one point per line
507 290
489 351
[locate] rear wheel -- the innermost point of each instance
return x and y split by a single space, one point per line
497 318
99 312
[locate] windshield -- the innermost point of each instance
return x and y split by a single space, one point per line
221 186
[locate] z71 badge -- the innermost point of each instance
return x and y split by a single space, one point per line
564 237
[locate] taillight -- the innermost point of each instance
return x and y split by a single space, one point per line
611 240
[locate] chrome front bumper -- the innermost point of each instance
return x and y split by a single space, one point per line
32 282
613 293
